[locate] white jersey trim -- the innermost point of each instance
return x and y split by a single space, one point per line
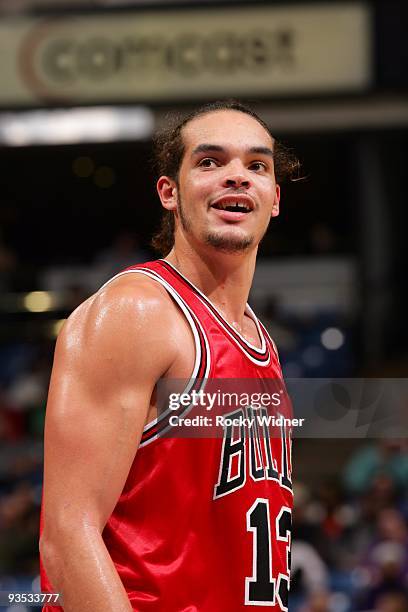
187 313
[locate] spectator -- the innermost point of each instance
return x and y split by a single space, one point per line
386 457
384 567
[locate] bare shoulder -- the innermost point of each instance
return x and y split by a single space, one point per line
131 300
130 315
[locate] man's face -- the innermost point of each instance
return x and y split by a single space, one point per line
227 191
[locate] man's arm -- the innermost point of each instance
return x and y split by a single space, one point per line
108 358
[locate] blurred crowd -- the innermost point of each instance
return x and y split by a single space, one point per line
23 389
350 534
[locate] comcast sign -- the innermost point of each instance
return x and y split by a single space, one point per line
188 54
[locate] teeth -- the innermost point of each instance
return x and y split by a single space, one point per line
240 205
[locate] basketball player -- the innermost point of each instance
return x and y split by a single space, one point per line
133 520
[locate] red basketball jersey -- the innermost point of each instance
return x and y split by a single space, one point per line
203 523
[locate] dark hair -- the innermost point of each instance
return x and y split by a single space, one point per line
169 152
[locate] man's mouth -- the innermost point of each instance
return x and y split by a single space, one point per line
234 204
237 207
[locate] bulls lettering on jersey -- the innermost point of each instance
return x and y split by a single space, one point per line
204 524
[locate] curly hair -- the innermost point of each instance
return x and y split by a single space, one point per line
169 151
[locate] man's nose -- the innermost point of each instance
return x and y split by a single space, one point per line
236 177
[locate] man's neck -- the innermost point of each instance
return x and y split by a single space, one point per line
223 277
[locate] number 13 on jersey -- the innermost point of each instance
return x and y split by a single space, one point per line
261 589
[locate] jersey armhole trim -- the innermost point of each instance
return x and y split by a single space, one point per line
202 362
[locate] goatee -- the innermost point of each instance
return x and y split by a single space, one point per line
229 244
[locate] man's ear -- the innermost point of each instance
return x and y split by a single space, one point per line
167 190
275 206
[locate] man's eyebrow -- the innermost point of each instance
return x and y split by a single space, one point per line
205 148
261 151
208 148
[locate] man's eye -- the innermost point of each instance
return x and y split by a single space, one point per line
208 162
257 166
